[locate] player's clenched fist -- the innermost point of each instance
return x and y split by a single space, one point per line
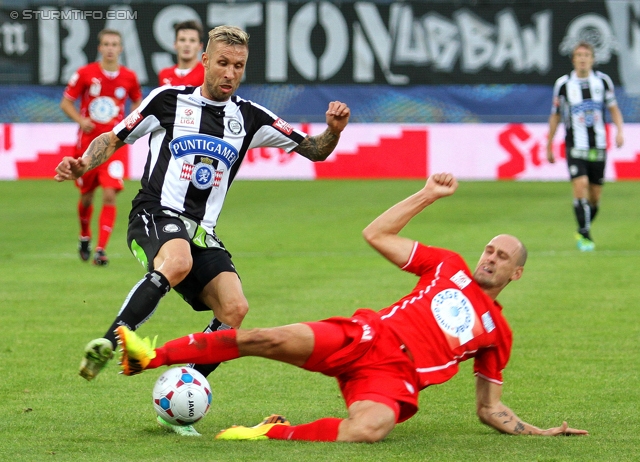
442 184
337 116
70 168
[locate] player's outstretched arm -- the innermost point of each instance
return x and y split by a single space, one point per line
97 153
318 148
494 413
382 233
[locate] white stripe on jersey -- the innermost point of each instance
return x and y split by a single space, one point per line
186 122
155 143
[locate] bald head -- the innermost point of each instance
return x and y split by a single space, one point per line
513 243
501 262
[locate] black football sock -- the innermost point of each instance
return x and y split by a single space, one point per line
206 369
583 216
594 210
140 304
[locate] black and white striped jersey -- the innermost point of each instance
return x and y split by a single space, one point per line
581 104
196 147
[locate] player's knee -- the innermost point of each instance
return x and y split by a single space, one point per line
234 311
176 268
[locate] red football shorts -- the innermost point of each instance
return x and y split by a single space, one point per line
368 361
108 175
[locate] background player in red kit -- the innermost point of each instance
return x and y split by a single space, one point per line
189 69
383 359
103 88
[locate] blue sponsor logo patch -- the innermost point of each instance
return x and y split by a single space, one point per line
203 176
204 145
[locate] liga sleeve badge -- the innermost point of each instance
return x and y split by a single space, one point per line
284 126
133 119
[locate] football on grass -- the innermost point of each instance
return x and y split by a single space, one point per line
182 396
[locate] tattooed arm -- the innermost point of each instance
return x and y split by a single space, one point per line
494 413
317 148
97 153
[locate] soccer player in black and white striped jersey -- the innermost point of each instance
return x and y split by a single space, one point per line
198 139
580 99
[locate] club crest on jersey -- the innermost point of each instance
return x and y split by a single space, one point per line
204 145
234 126
120 92
454 314
284 126
204 176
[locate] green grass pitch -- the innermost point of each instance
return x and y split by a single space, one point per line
299 251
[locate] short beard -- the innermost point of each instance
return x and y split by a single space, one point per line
484 284
214 97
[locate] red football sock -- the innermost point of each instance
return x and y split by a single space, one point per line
199 348
84 214
107 219
321 430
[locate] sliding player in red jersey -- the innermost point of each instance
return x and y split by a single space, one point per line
383 359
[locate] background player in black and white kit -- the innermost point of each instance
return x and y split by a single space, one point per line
580 99
198 139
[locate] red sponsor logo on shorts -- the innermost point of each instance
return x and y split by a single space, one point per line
133 119
283 126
